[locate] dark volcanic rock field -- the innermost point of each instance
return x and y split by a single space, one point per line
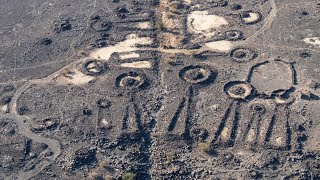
159 89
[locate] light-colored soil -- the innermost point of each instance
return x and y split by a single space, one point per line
201 22
139 64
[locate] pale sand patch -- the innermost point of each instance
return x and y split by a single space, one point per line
224 133
187 1
49 122
73 77
105 122
139 64
279 100
315 41
244 153
127 45
262 132
222 46
129 55
4 108
252 17
251 135
201 22
144 25
93 68
279 140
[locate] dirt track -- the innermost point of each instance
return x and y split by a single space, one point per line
160 90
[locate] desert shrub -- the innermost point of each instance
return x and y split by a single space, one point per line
204 147
129 176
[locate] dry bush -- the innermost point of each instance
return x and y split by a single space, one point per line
204 147
128 176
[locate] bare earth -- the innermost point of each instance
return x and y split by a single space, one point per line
159 89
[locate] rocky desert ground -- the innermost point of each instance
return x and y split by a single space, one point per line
159 89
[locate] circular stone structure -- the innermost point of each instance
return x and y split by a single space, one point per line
93 67
131 80
284 101
258 108
241 54
250 17
196 74
238 89
233 35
